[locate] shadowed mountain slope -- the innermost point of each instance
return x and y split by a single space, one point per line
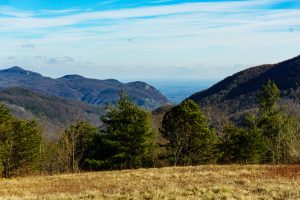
238 93
53 113
75 87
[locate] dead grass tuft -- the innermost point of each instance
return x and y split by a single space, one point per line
286 171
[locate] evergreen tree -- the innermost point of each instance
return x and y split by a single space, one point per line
279 128
240 145
267 137
127 141
20 144
191 141
269 97
5 124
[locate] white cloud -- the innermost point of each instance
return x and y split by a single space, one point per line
154 11
60 60
12 12
162 39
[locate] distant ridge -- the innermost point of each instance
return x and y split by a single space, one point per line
76 87
238 93
53 113
14 69
72 77
20 71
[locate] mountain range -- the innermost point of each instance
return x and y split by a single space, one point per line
56 103
59 102
75 87
237 94
52 113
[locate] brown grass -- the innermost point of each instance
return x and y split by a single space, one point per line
290 172
201 182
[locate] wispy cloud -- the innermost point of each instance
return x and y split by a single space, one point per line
214 34
205 9
60 60
27 45
13 12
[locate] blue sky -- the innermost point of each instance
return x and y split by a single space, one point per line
147 39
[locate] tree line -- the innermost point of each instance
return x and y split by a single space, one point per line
127 140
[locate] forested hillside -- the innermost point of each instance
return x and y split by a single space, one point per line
125 135
52 113
75 87
237 94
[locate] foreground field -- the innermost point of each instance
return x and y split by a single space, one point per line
202 182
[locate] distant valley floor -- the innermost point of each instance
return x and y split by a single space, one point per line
177 91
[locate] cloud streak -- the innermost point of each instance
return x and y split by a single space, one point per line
215 34
66 18
60 60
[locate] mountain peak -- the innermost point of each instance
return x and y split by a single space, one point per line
112 81
19 71
15 69
72 77
140 84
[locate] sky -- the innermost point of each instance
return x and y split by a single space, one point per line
147 39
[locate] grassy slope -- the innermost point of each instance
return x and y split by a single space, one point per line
203 182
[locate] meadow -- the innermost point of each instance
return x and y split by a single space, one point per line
199 182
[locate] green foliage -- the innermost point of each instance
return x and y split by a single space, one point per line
20 144
191 141
5 118
243 146
269 97
267 137
128 140
278 127
27 140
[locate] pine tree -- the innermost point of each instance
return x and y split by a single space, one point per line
266 137
278 127
241 145
5 129
127 141
191 141
269 97
20 142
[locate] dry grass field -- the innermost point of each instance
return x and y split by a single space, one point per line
202 182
